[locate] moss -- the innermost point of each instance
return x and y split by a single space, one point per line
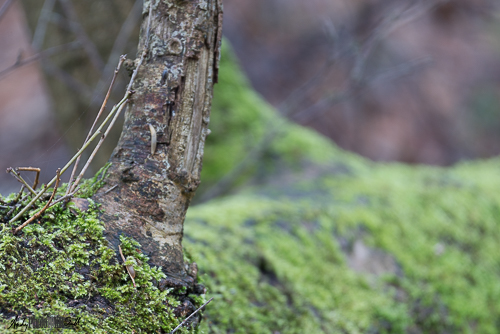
88 187
278 258
62 266
275 263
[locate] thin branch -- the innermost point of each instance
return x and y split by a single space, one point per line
98 131
103 106
11 210
110 189
20 179
69 163
31 169
70 81
398 71
39 213
4 7
19 194
88 45
119 45
65 197
127 267
289 106
127 94
41 26
185 320
40 55
98 146
115 109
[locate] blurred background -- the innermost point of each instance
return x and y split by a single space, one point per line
410 81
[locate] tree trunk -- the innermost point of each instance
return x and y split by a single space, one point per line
173 94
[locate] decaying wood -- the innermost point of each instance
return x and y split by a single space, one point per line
173 94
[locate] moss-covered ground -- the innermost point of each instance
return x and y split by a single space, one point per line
280 257
61 266
309 239
278 260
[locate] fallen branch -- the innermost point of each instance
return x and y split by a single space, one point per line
11 210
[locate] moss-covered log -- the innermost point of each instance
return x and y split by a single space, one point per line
312 240
318 240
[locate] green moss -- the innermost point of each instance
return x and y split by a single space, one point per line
274 262
88 187
277 258
62 266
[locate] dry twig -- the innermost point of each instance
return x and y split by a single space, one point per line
199 308
119 45
39 213
76 27
41 26
40 55
123 101
11 211
110 189
98 146
103 106
68 164
65 197
112 114
20 179
31 169
19 194
130 271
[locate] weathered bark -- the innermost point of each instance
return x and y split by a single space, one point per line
173 93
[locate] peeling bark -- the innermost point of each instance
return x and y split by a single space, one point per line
173 94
